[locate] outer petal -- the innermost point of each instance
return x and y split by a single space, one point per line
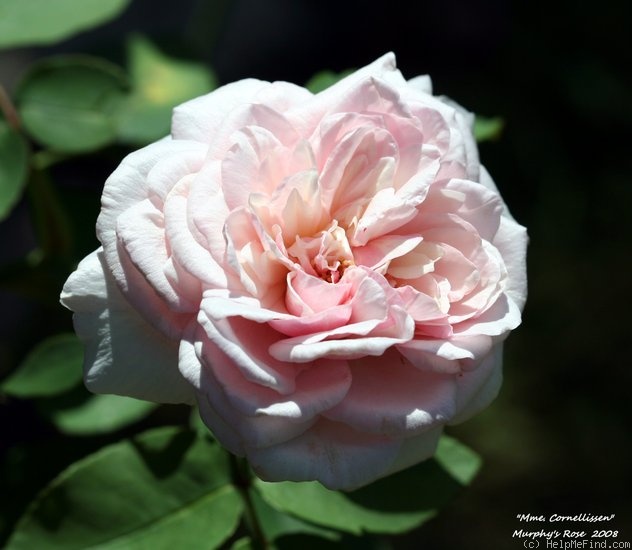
231 426
410 400
511 241
477 388
199 118
307 117
330 452
123 354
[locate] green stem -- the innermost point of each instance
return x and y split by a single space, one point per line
242 479
8 110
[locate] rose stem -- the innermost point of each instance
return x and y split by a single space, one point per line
242 480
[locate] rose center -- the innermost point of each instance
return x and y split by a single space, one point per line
326 255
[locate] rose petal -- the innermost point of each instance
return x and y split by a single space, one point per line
123 354
330 452
410 400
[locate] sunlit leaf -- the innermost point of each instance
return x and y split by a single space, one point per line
26 22
395 504
82 413
67 102
325 79
159 83
13 167
54 366
163 489
487 129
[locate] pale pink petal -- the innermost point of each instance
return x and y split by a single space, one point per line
498 319
199 119
416 449
330 452
124 355
410 400
140 231
421 83
187 251
222 409
307 294
168 171
307 117
247 343
355 168
143 297
511 242
128 183
252 115
477 388
381 250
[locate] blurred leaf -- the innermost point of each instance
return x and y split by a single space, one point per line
82 413
25 22
162 489
348 542
461 462
244 543
325 79
159 83
54 366
35 278
395 504
487 129
67 102
13 168
275 524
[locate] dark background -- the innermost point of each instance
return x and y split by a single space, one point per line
558 438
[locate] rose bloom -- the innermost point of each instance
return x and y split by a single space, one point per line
328 276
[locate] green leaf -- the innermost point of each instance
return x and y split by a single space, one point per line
159 83
487 129
460 461
395 504
275 524
163 489
13 168
82 413
54 366
325 79
26 22
244 543
67 102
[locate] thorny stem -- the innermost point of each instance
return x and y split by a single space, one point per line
242 479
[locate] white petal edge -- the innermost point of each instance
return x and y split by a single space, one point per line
124 355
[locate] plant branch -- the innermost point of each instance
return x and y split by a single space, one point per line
242 480
8 110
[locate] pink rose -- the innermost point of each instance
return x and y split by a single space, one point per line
329 276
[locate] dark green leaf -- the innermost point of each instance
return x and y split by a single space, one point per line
159 83
244 543
487 129
321 81
13 168
67 103
348 542
25 22
82 413
275 524
395 504
54 366
163 489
